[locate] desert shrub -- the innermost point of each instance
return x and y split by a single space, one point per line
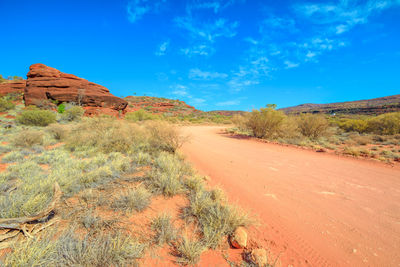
28 138
189 251
6 104
136 199
15 156
164 136
352 151
312 126
353 125
362 140
265 123
239 121
58 131
168 175
72 113
36 117
140 115
165 232
387 124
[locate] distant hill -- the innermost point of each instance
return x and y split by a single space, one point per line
159 105
363 107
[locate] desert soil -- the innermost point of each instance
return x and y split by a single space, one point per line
315 209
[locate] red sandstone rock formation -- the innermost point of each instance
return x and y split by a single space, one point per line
48 83
12 87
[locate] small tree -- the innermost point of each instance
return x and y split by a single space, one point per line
81 95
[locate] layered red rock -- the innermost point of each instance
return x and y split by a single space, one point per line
46 83
12 87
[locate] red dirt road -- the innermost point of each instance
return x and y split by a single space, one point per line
316 209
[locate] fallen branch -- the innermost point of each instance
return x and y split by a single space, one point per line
18 223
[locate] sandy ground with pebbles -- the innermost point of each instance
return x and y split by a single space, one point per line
316 209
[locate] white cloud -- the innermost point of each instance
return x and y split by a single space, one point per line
228 103
197 74
136 9
290 64
162 49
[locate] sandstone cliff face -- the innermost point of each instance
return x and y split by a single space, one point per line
12 87
45 83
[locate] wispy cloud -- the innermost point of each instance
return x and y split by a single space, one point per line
209 32
234 102
344 15
290 64
179 90
216 5
197 74
136 9
162 49
198 50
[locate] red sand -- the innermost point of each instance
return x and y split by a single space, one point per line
316 209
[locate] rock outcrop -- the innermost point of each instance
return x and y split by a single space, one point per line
46 83
239 238
12 87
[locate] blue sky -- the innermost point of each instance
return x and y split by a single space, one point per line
216 54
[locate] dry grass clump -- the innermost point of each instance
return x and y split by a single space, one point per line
189 251
70 250
167 175
216 219
57 131
165 232
164 136
28 138
137 199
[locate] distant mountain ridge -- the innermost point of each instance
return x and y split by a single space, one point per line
363 107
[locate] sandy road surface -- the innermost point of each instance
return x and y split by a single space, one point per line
316 209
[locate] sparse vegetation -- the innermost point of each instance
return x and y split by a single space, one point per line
6 104
189 251
165 232
136 199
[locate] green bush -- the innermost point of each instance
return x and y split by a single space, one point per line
6 104
140 115
265 123
353 125
61 108
387 124
312 126
36 117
